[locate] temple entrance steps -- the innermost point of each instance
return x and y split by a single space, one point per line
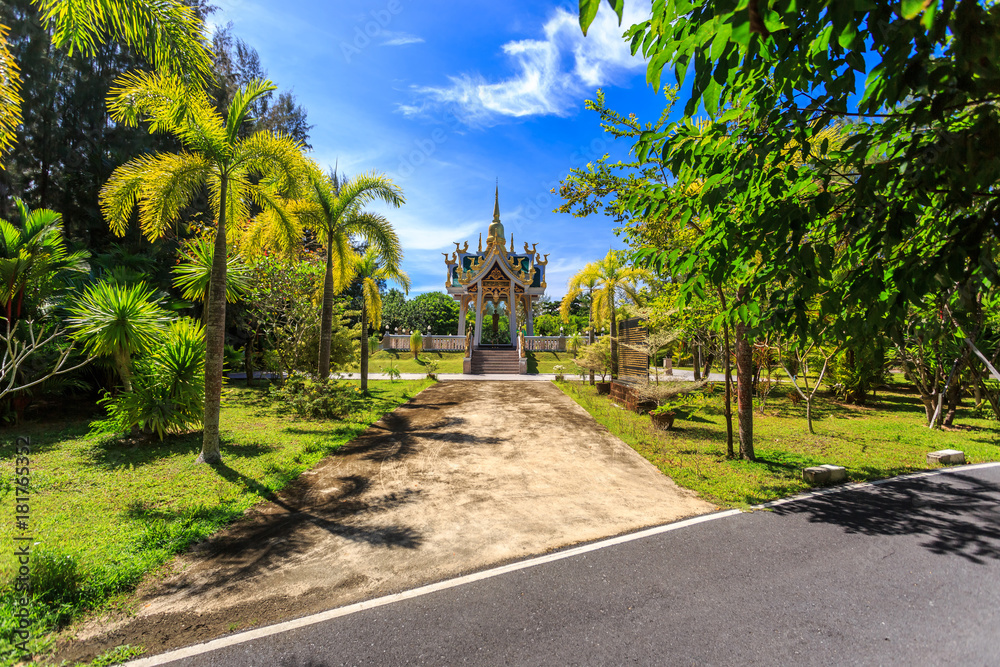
490 362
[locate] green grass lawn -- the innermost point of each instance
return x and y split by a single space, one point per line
451 362
106 514
886 439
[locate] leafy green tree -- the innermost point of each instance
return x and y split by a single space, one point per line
118 321
236 171
370 269
436 310
10 96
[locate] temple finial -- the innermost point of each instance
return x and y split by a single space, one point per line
480 241
496 203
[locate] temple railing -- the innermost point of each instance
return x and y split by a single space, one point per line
431 343
550 343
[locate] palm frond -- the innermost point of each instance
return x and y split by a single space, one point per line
167 33
240 105
10 96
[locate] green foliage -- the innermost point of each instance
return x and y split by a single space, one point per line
436 309
167 393
597 357
416 343
392 371
194 271
318 399
109 318
34 260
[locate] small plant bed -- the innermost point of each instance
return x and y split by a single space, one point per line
887 438
107 512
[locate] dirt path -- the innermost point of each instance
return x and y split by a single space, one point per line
466 476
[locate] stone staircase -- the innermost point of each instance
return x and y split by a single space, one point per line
495 362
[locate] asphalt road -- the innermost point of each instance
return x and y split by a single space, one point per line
907 572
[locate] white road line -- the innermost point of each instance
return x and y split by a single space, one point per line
258 633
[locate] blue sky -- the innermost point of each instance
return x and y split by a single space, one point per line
447 97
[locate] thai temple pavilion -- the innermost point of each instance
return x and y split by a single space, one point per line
497 281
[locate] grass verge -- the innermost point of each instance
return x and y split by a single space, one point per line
885 439
104 513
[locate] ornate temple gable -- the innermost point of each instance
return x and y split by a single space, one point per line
526 269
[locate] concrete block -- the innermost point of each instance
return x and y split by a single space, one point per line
824 474
946 456
816 475
837 473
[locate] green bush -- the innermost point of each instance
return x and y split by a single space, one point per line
168 389
316 399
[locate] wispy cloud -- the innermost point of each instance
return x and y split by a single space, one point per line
393 38
551 73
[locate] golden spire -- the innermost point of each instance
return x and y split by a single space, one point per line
496 235
496 203
480 241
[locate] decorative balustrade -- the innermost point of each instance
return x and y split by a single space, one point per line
550 343
458 343
431 343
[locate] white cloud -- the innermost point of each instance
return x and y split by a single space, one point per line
545 84
394 38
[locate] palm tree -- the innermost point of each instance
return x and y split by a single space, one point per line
333 208
586 279
236 171
118 321
32 253
369 269
612 280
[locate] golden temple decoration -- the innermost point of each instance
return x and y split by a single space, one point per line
540 262
459 249
531 251
480 242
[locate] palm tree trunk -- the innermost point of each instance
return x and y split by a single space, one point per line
215 337
364 346
590 326
744 389
614 339
124 366
326 322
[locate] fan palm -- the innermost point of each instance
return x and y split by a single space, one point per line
370 268
118 321
613 280
333 208
32 252
236 171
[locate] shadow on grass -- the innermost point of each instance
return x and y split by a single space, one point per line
114 454
955 514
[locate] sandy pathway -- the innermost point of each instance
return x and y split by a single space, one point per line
466 476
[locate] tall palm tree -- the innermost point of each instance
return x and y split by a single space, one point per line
370 268
333 207
586 279
167 33
235 171
614 280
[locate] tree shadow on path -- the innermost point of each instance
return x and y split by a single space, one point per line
958 513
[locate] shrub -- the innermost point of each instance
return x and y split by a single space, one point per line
168 388
416 343
318 399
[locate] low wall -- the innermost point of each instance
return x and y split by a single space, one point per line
431 343
623 394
